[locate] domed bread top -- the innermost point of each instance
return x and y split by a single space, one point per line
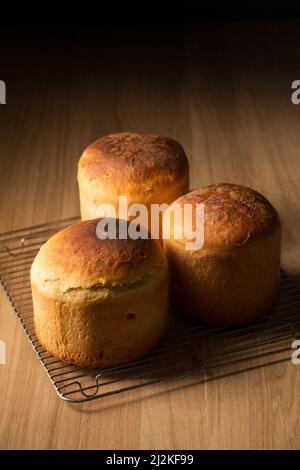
135 159
233 214
75 258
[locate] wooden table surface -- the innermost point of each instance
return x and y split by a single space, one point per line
222 90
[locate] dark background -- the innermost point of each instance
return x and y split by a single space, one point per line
68 14
75 72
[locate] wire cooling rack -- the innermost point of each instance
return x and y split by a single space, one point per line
188 350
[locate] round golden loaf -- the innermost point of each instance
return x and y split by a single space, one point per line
99 302
146 168
234 277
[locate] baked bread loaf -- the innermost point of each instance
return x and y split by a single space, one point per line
234 277
99 302
147 168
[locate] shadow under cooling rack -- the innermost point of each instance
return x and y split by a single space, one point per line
188 350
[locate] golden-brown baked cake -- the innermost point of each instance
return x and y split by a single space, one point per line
147 168
234 277
99 302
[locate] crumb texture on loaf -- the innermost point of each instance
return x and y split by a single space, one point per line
134 157
233 214
76 258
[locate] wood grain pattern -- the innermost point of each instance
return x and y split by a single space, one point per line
222 90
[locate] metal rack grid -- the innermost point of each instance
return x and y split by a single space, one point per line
188 350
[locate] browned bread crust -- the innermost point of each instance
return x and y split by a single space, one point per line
234 278
75 257
134 157
233 214
147 168
99 302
